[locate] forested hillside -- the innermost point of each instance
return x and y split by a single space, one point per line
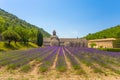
112 32
9 21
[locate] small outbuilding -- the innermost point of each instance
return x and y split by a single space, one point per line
101 43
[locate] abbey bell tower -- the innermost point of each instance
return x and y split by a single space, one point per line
54 39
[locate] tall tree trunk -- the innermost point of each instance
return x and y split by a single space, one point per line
9 42
15 41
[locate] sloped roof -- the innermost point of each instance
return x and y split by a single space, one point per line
106 39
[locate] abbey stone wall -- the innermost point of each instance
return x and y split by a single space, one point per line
73 42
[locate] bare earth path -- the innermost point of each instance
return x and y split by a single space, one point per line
35 69
85 68
54 63
67 61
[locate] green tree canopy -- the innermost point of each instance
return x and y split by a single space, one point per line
10 35
24 34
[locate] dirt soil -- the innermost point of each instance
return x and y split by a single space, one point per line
53 75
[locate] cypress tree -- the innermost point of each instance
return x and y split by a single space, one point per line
39 38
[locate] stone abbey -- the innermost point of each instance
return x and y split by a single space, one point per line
54 40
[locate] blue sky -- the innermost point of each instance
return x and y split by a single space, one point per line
70 18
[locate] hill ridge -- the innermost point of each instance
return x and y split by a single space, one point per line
10 20
111 32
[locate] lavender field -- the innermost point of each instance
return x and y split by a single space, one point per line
61 60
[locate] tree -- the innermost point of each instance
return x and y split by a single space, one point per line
33 35
116 43
10 35
39 38
92 45
104 36
16 37
118 35
24 34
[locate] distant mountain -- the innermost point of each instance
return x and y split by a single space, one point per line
8 20
107 33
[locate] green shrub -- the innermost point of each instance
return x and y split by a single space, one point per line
3 63
98 70
43 69
61 68
2 49
11 66
38 59
25 68
80 72
92 45
117 71
76 67
10 78
110 49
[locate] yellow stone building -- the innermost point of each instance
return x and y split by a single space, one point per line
101 43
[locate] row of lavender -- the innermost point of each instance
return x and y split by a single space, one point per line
91 57
17 59
55 56
49 61
97 59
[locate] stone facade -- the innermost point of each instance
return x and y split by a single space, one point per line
102 43
73 42
54 40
